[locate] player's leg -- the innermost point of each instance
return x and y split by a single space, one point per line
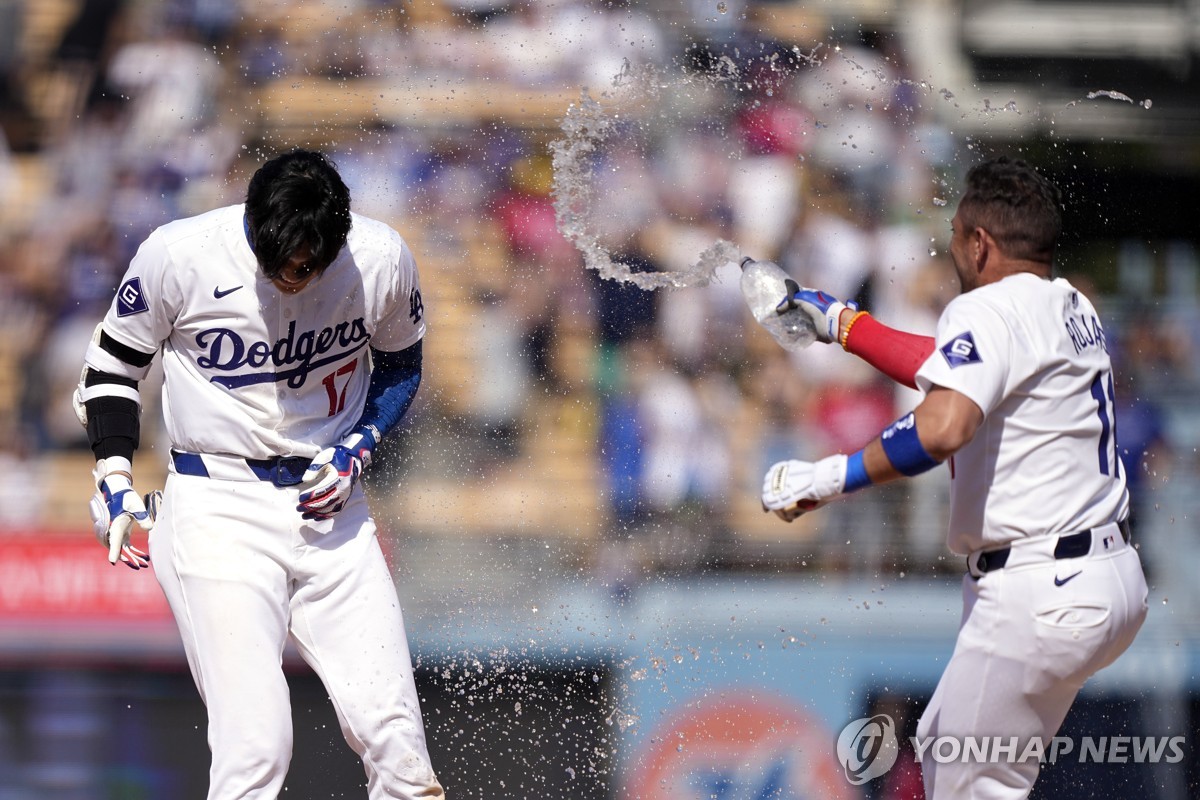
228 593
964 706
1010 678
983 669
1122 578
347 623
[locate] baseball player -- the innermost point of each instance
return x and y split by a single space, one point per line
1018 397
290 331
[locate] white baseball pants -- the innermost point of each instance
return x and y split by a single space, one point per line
1031 634
243 573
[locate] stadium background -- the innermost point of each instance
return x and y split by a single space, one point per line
597 605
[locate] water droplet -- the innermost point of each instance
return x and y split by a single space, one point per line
939 201
722 8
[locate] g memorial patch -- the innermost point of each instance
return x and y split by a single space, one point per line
961 350
130 299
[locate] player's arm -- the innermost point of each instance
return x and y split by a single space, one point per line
940 426
917 442
894 353
108 404
395 377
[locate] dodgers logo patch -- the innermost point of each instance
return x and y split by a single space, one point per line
130 299
961 350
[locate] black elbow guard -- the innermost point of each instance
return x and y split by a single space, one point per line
114 426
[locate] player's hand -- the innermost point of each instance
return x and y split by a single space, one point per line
824 309
792 488
116 507
331 476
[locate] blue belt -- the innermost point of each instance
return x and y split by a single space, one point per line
280 470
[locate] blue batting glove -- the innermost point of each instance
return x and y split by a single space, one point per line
330 478
824 309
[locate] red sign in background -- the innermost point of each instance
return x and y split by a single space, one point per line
51 577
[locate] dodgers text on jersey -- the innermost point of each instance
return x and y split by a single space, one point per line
228 352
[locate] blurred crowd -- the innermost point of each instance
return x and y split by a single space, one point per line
823 154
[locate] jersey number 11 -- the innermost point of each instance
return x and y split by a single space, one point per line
1102 392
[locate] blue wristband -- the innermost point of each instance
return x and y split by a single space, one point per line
904 449
856 473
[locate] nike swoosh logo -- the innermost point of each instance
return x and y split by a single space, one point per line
218 292
1060 581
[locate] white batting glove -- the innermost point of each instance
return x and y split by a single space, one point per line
825 310
116 507
331 476
792 488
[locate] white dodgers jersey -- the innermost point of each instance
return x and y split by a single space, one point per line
1031 354
252 371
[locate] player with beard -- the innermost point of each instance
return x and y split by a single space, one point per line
1019 399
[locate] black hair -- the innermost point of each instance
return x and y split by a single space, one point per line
297 200
1020 208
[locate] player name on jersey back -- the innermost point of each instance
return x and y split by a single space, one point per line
1085 331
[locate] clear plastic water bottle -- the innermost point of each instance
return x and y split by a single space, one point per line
765 285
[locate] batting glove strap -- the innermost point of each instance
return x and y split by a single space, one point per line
115 508
361 442
793 487
824 309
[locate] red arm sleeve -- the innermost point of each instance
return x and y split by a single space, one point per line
894 353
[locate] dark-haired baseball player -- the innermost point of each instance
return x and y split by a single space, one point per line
1018 398
290 331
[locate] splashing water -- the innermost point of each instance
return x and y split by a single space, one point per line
585 128
589 123
1113 95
